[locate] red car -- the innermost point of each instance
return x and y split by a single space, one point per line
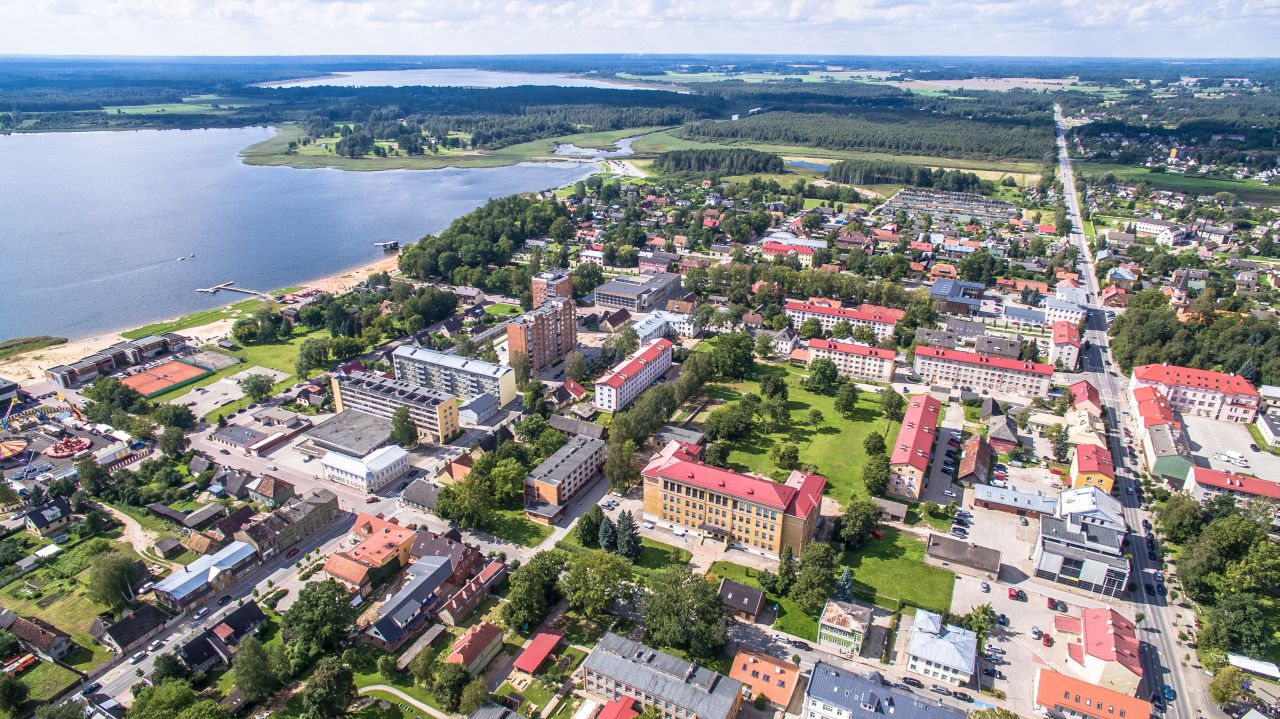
877 534
1046 640
292 553
1055 470
1017 595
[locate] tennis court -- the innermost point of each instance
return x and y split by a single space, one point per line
164 377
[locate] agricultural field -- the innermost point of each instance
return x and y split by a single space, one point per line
1246 190
195 105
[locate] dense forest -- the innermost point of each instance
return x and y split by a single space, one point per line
904 133
738 161
879 172
1150 332
467 252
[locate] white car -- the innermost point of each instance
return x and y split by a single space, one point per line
948 493
647 525
273 468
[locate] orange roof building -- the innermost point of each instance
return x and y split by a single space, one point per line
774 678
1102 648
1059 694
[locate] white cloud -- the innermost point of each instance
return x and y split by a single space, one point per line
968 27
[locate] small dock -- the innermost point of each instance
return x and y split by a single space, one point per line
391 246
230 287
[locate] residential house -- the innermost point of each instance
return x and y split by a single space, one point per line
41 637
411 605
49 519
836 693
204 576
271 492
764 675
843 626
1091 466
742 601
476 647
134 629
943 652
911 451
464 601
1059 696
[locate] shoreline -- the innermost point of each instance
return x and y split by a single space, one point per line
30 365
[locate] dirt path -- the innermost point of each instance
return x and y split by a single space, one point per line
140 539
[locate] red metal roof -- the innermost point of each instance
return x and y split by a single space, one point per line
1066 333
919 427
620 708
1243 483
631 366
1092 458
1174 376
1154 408
996 362
1110 637
1084 391
797 500
852 348
537 650
780 248
864 313
473 642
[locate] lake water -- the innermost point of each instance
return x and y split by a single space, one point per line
92 224
819 166
622 148
452 77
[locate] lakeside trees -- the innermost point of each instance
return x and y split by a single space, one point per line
734 161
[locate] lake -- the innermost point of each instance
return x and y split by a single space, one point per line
452 77
92 224
622 148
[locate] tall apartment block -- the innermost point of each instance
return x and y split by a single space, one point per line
546 334
555 283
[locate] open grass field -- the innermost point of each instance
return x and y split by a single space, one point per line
44 681
834 447
273 152
893 568
1023 170
501 309
17 346
512 526
1247 190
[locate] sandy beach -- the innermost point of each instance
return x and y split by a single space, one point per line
31 365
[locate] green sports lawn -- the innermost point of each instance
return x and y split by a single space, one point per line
834 447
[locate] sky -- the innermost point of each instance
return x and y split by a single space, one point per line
1127 28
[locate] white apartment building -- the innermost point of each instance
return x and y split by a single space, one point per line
619 387
978 372
854 359
369 473
462 377
1204 393
1056 310
1065 345
881 320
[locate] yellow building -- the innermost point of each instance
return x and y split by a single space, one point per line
434 412
751 513
1092 467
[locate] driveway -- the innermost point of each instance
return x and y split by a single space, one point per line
939 481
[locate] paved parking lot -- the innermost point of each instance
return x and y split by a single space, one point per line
1209 437
1002 531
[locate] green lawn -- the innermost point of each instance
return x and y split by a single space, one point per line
499 308
200 318
512 526
893 568
67 606
790 619
17 346
536 696
834 447
44 681
1248 190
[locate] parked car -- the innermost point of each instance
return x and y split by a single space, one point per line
1055 470
292 553
90 688
1002 620
961 696
989 672
939 689
1023 521
224 600
913 682
138 657
647 525
948 493
1169 694
985 587
1017 594
1046 640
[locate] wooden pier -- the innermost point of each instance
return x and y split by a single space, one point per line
229 286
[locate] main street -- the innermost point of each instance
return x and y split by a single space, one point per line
1162 658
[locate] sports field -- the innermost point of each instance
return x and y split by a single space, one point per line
164 377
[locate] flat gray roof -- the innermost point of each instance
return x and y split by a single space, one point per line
454 362
706 693
556 468
351 432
